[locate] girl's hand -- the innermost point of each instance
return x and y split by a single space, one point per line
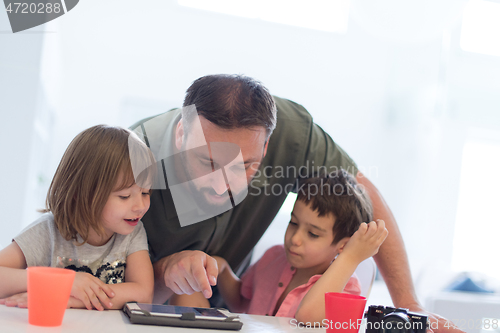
366 240
20 300
91 291
75 303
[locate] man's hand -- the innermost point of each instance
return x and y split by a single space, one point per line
188 272
20 300
437 323
91 291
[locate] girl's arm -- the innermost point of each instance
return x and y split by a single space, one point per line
12 271
14 278
139 281
363 244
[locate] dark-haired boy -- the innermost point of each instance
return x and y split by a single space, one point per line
325 241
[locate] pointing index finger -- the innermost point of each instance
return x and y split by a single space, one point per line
212 270
200 275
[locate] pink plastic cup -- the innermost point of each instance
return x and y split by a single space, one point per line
344 312
49 289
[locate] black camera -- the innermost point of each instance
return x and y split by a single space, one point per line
394 320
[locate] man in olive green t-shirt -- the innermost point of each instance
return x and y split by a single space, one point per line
277 143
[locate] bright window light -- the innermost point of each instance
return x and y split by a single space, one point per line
477 228
481 27
325 15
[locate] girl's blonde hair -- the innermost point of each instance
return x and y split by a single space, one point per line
89 171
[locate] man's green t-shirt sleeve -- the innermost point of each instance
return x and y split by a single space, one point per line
297 134
324 151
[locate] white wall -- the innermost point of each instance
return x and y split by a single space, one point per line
19 96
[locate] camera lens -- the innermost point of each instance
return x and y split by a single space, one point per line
397 322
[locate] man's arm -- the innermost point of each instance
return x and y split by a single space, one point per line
184 272
392 261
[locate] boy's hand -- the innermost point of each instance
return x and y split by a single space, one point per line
366 240
91 291
20 300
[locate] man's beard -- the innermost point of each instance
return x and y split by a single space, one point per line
201 195
200 198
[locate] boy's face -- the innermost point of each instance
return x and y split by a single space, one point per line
308 239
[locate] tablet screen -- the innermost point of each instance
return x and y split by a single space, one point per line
171 310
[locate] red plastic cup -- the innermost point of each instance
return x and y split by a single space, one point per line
344 312
49 289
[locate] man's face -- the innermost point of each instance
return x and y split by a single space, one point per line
209 187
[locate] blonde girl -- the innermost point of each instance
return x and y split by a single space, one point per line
91 224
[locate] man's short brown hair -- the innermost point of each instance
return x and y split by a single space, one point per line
232 101
337 194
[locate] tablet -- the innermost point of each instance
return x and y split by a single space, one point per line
177 311
182 316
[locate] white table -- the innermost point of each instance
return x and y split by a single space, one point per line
467 310
15 320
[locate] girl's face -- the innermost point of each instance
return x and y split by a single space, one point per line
308 240
123 210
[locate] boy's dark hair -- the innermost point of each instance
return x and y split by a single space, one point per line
232 101
340 195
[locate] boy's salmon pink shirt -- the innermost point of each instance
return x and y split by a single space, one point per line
265 281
